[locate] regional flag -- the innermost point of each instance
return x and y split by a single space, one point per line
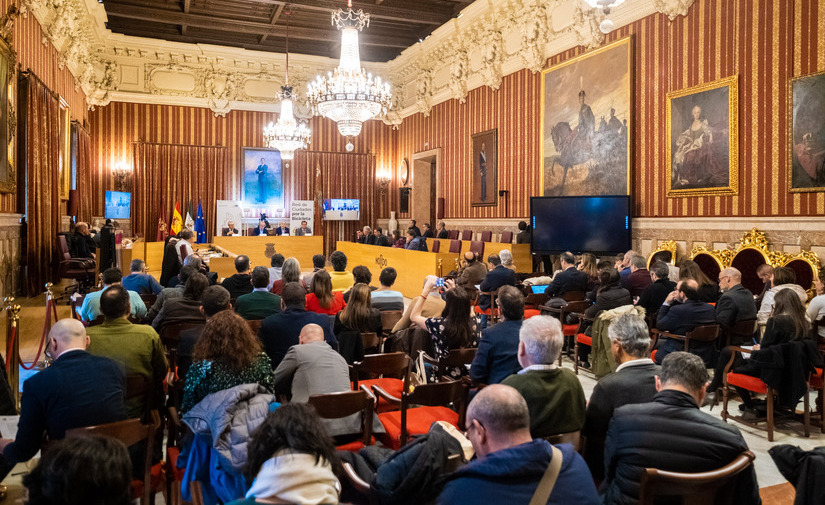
177 220
189 222
200 225
163 228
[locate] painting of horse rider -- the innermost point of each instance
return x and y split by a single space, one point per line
702 139
587 122
808 133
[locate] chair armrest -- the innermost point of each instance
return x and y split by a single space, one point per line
358 483
729 365
552 310
379 391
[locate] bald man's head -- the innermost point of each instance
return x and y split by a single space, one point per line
311 333
470 256
497 419
734 274
67 334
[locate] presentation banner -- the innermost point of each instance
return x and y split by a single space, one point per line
228 211
301 210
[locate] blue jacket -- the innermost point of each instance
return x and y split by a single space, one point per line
681 318
567 280
512 476
142 284
497 277
280 331
497 353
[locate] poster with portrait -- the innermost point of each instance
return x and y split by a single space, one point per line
702 139
262 177
587 122
485 169
807 136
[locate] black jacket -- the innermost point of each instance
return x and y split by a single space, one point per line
670 433
497 277
803 469
170 266
443 234
654 295
370 239
735 304
609 298
681 318
567 280
238 285
382 241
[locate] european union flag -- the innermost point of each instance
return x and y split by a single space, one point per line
200 226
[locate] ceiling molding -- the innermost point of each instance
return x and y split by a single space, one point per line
487 41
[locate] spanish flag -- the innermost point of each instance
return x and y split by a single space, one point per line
177 220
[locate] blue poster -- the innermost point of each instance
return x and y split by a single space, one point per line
262 177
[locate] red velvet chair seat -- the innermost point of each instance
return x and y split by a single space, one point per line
584 339
816 379
157 478
569 330
354 446
392 386
419 421
488 312
747 382
528 313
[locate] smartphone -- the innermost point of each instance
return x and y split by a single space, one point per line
439 283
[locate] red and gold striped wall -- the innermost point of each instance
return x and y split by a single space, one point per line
765 42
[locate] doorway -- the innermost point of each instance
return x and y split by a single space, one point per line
425 166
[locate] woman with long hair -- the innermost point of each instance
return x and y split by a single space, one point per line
226 355
186 308
708 290
455 329
292 459
359 313
290 272
589 265
321 298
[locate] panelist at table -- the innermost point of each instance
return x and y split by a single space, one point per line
283 229
261 229
303 231
230 230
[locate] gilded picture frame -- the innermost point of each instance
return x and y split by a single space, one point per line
806 133
587 123
8 117
484 163
65 150
703 139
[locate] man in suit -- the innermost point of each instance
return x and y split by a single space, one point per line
281 330
240 283
639 277
414 242
260 302
633 382
380 238
655 294
282 230
473 272
90 309
497 356
303 231
311 368
681 313
261 229
136 346
414 228
442 230
498 276
428 232
77 390
230 230
139 281
736 303
369 237
215 299
84 245
569 279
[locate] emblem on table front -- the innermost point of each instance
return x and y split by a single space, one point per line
270 250
381 261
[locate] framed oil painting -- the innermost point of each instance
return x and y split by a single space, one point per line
807 135
587 123
65 150
8 118
702 139
262 177
485 169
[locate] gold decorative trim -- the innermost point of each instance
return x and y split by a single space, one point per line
791 83
669 246
733 138
719 256
8 183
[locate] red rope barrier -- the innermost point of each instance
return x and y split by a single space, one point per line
47 325
11 346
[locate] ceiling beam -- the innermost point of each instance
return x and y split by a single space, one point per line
276 13
187 4
428 15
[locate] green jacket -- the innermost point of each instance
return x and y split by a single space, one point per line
554 397
601 358
257 304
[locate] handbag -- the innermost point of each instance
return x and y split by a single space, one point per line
548 480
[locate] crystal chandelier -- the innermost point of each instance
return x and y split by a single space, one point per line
287 135
349 95
607 25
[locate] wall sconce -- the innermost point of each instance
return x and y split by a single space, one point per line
121 174
383 178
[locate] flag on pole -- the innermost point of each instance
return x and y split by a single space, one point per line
163 228
200 225
189 222
177 220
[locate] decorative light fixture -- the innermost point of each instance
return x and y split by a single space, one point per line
349 95
121 174
287 135
383 178
607 25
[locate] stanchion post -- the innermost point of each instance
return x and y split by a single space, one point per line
13 346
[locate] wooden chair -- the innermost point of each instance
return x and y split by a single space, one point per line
170 337
713 487
390 371
477 246
130 432
506 237
81 270
76 302
573 438
487 236
435 246
457 358
467 235
581 339
568 330
372 340
493 312
149 299
455 246
741 333
452 234
254 325
704 333
533 303
434 402
347 403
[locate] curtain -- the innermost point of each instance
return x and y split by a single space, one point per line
40 148
165 173
90 179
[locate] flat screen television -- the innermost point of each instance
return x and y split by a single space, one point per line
342 209
118 205
594 224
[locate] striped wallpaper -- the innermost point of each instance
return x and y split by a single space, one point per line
765 42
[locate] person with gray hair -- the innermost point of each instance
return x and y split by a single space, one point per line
672 434
633 382
507 259
554 395
639 278
510 462
735 304
654 295
139 281
569 279
290 272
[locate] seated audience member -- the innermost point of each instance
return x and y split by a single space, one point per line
639 277
291 272
385 298
276 267
183 309
280 331
319 261
359 236
431 306
359 317
456 329
184 246
398 240
311 367
88 470
259 303
304 230
507 259
341 278
215 299
497 355
139 281
415 242
473 272
230 230
261 229
169 293
736 302
196 263
683 312
765 274
369 237
623 266
671 433
84 245
226 355
569 279
427 233
554 395
589 266
497 276
415 229
708 290
380 238
511 463
292 459
170 264
90 310
667 258
77 390
783 278
360 274
441 228
321 298
609 295
136 346
633 382
654 295
816 309
283 229
241 282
